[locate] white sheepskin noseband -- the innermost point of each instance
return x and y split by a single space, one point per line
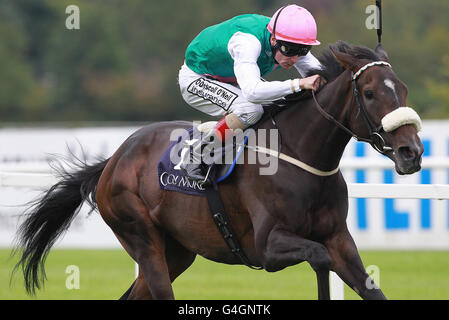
399 117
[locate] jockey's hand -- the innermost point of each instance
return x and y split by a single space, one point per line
313 82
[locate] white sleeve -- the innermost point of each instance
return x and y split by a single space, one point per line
245 50
306 63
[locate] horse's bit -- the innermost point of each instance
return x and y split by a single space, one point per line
376 140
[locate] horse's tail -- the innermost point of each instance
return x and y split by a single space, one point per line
50 216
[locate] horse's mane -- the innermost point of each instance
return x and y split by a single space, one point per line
331 69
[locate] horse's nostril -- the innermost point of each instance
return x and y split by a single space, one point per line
406 153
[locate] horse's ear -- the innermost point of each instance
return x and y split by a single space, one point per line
346 60
382 53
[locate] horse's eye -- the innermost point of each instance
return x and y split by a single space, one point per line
369 94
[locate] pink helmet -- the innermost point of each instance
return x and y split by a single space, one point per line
294 24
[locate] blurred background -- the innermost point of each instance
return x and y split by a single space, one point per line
122 64
88 89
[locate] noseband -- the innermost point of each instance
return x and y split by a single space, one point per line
390 122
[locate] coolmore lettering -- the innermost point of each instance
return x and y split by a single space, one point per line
175 180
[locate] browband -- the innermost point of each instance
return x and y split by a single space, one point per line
375 63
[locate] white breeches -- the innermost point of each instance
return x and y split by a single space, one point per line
216 98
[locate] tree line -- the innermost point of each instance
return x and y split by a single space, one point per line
122 63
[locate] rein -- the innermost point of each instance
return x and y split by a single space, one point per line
336 122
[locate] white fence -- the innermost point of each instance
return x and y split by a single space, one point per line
381 216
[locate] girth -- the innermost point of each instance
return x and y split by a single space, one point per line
221 220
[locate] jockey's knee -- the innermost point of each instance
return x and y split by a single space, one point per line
250 116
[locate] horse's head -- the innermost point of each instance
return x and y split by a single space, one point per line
377 110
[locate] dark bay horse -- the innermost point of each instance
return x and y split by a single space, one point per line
280 220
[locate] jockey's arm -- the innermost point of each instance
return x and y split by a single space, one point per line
245 50
306 63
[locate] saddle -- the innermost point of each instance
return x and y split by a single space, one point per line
172 177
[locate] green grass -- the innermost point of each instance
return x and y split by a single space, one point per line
104 274
107 274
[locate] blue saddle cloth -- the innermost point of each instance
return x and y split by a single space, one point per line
172 177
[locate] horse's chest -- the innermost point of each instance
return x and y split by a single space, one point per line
311 208
314 220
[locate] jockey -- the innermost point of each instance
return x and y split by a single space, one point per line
221 75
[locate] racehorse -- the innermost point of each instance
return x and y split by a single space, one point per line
280 220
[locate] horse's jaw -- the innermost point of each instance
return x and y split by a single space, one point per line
407 150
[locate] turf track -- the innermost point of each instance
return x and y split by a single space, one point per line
106 274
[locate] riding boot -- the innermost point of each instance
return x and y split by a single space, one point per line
213 141
193 163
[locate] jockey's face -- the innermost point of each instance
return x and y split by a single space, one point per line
284 61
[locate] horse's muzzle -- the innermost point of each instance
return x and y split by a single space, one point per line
407 149
408 159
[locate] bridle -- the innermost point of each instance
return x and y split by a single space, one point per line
390 122
393 120
375 132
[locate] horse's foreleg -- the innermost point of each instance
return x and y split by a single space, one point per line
284 248
347 263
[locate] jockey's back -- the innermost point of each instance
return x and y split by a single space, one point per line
208 53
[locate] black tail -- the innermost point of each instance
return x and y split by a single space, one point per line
50 216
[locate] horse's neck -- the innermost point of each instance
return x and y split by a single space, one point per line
310 137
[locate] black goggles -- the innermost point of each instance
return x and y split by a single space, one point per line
292 49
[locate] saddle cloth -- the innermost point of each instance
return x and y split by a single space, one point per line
172 177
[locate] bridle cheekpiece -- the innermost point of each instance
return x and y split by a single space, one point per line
390 122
